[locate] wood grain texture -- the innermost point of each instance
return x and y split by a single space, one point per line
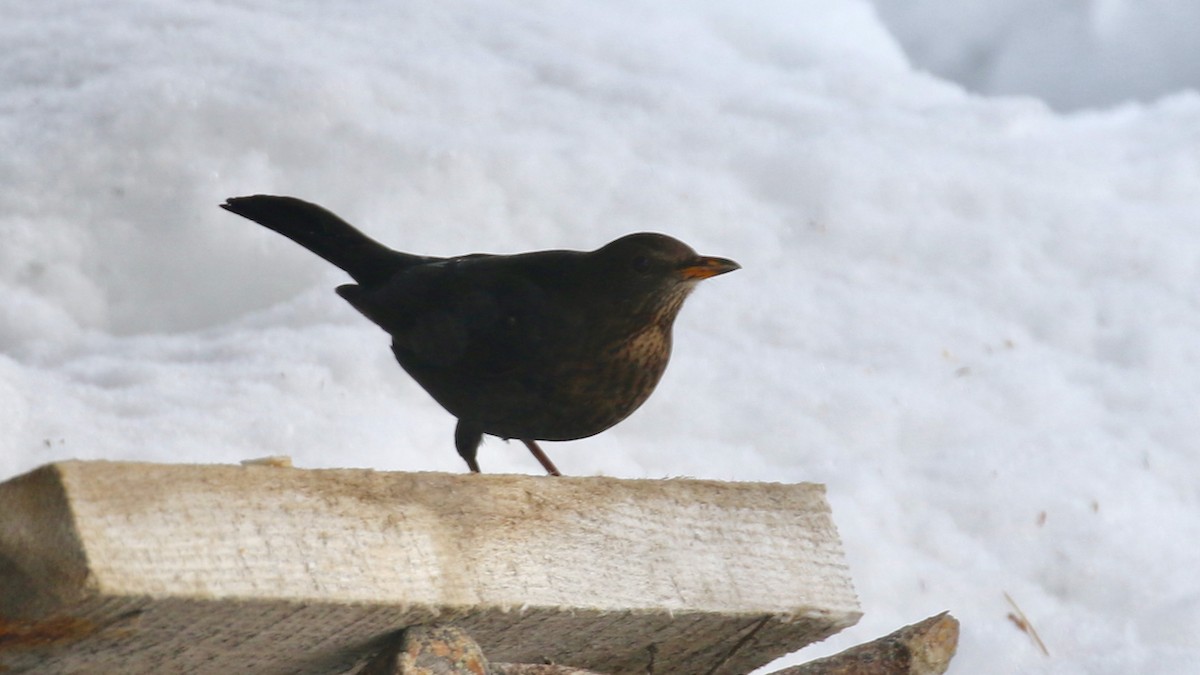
173 568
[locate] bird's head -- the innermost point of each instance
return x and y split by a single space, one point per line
653 273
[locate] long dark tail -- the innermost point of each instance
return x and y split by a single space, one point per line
323 233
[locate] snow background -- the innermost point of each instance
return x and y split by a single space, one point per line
970 234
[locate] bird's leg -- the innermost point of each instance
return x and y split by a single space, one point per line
541 456
466 441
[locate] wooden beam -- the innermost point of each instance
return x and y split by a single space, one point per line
922 648
130 567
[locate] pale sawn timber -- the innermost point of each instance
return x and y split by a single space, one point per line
151 568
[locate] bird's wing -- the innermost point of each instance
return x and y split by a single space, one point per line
488 316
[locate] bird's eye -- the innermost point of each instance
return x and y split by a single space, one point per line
641 264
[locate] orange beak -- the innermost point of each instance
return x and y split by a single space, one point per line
705 267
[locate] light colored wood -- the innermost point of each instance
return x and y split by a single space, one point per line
922 648
147 568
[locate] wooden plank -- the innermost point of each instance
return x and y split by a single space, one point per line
130 567
922 648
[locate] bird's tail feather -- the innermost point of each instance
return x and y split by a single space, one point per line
325 234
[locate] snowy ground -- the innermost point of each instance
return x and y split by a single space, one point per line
975 317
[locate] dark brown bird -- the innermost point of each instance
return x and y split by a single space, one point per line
550 345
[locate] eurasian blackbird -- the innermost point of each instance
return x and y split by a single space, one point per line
550 345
